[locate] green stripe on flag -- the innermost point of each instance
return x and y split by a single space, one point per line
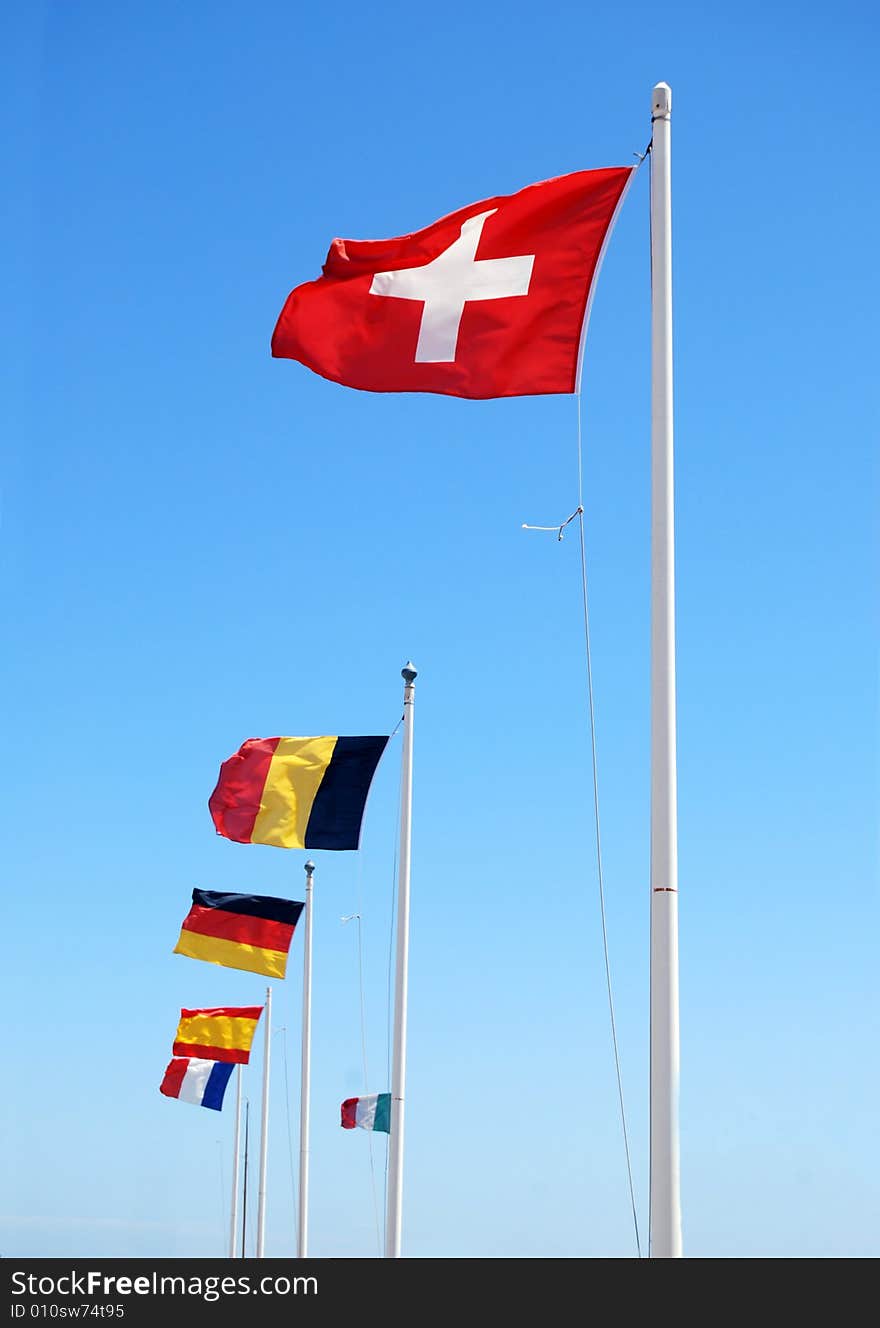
382 1119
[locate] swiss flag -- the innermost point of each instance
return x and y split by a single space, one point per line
487 302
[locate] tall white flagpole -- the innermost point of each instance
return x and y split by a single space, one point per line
398 1064
236 1146
303 1229
264 1131
244 1191
665 1203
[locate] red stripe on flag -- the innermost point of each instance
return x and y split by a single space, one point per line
241 927
349 1113
235 802
211 1053
230 1011
170 1085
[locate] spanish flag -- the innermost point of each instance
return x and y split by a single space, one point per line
252 932
224 1033
296 792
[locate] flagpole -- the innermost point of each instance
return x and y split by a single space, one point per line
264 1131
303 1229
398 1064
244 1192
665 1201
233 1223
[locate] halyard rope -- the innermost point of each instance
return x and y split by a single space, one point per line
589 659
578 514
294 1187
356 917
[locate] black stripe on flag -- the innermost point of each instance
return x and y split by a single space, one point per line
338 808
252 906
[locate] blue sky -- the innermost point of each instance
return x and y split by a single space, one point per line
201 544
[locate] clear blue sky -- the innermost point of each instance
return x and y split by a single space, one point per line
202 545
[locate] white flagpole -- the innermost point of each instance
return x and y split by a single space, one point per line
233 1224
398 1064
303 1231
264 1131
244 1193
665 1205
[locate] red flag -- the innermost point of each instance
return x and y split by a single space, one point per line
487 302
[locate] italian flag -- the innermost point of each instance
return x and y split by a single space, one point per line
372 1112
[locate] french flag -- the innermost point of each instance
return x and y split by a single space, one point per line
201 1082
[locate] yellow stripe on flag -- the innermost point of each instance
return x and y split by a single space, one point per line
232 954
217 1031
295 773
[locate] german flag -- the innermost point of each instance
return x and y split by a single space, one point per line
252 932
296 792
224 1033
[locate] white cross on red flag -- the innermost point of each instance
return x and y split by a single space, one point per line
487 302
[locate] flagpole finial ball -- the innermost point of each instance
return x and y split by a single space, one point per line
309 868
409 672
661 100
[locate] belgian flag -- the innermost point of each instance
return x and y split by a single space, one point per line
252 932
296 792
